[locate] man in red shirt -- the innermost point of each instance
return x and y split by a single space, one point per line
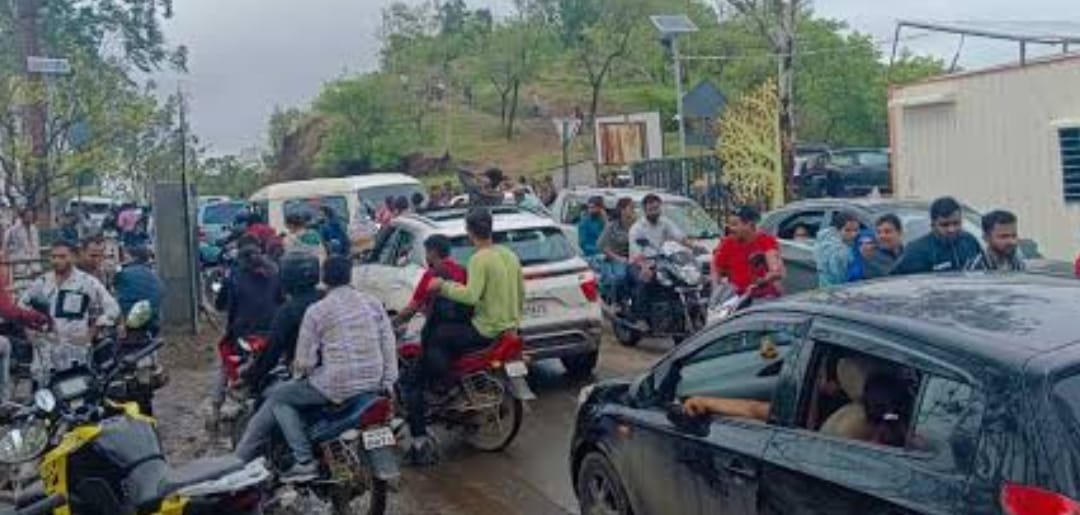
10 312
748 258
436 359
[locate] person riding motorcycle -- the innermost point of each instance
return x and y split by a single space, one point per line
748 258
495 289
12 314
302 238
249 222
250 297
78 303
437 311
345 348
657 230
614 243
137 281
300 280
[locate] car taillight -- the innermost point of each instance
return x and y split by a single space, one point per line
1029 500
590 287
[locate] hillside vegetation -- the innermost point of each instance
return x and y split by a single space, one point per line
456 87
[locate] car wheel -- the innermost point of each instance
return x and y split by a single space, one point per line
599 489
581 365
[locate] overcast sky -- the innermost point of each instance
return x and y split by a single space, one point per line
246 56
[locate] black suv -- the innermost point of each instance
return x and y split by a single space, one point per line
979 412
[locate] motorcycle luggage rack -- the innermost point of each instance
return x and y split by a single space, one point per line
342 459
482 391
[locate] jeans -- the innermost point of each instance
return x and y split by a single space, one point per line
449 341
282 407
614 276
5 367
639 292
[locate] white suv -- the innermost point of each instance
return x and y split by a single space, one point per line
562 317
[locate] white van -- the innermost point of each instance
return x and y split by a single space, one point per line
349 197
95 208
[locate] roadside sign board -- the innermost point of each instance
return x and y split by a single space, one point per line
48 65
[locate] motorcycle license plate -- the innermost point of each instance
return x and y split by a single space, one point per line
379 438
516 369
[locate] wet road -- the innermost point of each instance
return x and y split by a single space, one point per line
531 477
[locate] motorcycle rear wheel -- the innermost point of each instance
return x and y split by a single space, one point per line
506 424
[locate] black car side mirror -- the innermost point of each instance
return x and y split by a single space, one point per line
683 421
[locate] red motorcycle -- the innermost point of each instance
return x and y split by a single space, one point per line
485 400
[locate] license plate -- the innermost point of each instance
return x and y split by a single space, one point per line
535 309
378 438
516 369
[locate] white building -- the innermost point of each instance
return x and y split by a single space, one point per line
1005 137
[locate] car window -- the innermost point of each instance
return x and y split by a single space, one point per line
534 246
743 365
857 396
946 419
376 196
873 159
811 221
313 206
221 212
572 212
386 246
691 219
1067 399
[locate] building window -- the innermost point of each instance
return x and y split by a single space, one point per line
1070 162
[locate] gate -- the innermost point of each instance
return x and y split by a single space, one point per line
699 178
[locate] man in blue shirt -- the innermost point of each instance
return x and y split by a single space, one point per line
136 282
591 226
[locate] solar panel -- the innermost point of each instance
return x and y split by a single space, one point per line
673 24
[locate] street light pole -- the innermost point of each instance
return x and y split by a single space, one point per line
679 95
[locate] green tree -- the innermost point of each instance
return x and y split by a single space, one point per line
230 175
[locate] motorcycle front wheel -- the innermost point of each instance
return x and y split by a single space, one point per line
495 428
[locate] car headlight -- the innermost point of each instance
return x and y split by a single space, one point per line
585 393
23 441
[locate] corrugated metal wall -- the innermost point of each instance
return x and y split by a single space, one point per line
990 139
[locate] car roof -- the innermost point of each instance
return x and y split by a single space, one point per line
1000 317
451 222
330 186
865 203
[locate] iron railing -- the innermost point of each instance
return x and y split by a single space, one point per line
699 178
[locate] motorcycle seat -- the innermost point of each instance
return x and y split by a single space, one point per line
503 348
198 471
329 421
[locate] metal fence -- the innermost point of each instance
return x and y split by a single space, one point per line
699 178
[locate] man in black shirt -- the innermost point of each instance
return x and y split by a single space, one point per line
948 247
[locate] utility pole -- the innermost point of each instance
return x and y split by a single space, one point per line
34 116
679 95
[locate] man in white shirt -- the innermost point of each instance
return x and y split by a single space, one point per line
77 302
657 230
21 244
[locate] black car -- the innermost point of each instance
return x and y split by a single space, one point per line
849 172
815 214
981 413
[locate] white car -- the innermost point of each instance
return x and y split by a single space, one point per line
562 317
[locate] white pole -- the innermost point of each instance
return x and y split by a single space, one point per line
679 95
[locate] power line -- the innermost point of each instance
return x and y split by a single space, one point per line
820 51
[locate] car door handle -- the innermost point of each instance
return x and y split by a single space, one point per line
739 468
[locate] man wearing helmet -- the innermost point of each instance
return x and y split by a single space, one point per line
300 280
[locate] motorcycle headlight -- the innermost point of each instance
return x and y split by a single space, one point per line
140 315
23 441
44 400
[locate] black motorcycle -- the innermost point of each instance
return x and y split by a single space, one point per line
677 298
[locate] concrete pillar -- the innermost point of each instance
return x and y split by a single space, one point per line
176 250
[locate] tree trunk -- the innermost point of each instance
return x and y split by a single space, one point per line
503 99
594 103
513 110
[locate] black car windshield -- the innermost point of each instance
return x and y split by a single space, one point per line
692 219
536 246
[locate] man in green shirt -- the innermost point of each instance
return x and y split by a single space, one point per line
496 290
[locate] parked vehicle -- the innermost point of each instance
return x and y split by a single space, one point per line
355 448
96 209
686 214
215 221
349 197
103 457
486 402
849 172
980 415
815 214
562 317
677 300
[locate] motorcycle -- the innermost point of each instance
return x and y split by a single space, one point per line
486 399
677 300
139 383
103 457
355 449
725 302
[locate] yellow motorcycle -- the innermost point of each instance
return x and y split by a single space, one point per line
105 458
